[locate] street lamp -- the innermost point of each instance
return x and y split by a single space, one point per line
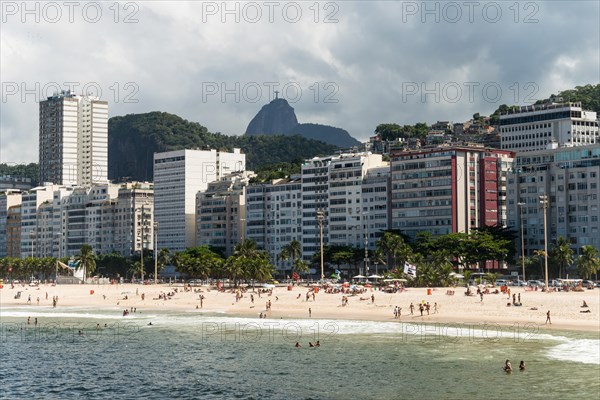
366 245
32 237
521 205
544 204
320 218
242 229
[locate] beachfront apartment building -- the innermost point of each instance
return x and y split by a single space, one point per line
178 177
315 198
538 127
221 212
351 202
274 216
33 238
8 198
132 218
448 189
375 202
13 231
56 220
73 139
570 178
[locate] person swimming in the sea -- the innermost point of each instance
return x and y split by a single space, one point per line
522 365
507 366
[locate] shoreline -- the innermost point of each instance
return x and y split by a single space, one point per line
457 309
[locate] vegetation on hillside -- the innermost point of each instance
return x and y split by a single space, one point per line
30 171
134 138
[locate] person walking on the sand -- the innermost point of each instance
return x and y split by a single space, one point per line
548 318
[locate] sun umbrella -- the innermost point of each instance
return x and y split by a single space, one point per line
359 277
375 276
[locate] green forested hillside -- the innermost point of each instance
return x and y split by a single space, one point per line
588 95
133 139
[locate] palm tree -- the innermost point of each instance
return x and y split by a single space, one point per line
292 250
588 262
395 248
164 258
245 248
87 259
562 255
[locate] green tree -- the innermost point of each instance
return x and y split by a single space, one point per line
588 262
395 248
561 255
292 250
87 259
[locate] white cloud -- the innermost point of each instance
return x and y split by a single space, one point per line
367 58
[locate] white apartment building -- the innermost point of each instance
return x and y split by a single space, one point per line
33 240
348 216
55 221
315 197
221 212
178 176
536 127
8 198
274 216
375 202
570 177
132 219
73 139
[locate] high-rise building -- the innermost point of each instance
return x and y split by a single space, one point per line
448 189
8 198
13 231
221 212
73 139
538 127
274 216
34 234
570 178
178 177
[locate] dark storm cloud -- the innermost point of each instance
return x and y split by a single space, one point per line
354 73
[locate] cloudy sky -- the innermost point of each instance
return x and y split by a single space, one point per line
350 64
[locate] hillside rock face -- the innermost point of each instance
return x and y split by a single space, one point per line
275 118
279 118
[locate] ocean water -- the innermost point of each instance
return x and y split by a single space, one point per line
85 353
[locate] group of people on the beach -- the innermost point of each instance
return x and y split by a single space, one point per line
508 366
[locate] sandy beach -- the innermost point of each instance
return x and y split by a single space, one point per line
565 307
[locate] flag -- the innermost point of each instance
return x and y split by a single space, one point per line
410 270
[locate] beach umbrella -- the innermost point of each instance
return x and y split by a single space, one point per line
375 276
345 284
368 285
268 286
359 277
